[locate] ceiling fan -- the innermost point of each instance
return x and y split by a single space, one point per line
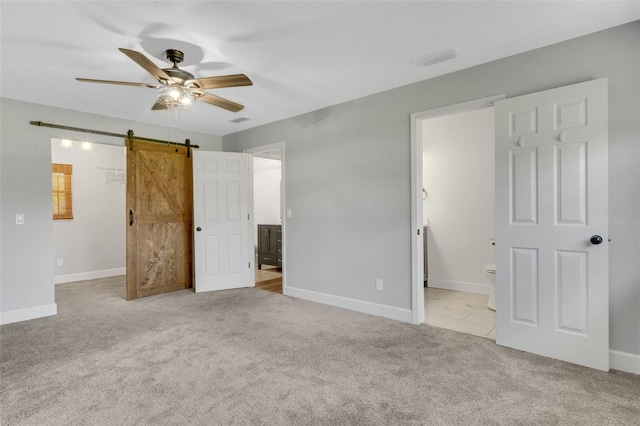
179 88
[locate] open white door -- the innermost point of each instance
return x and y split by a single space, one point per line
551 224
222 221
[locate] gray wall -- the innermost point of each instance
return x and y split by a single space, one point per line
347 171
26 265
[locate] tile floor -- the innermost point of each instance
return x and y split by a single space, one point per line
460 311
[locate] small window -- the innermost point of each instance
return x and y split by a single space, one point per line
61 191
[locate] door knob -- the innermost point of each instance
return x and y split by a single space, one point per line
596 239
198 229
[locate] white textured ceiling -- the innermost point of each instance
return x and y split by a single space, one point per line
301 56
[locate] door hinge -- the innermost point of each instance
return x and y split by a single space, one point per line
248 216
249 265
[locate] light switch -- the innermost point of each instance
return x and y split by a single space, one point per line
289 214
19 219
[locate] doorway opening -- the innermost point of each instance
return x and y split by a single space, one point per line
90 243
438 244
550 184
268 215
458 162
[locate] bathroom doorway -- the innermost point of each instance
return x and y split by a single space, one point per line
457 210
459 218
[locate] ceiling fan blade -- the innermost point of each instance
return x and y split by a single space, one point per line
158 106
145 63
121 83
219 82
218 101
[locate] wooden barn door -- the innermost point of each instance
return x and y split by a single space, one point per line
159 218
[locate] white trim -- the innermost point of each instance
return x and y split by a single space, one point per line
266 148
28 313
417 226
254 242
417 273
459 286
91 275
390 312
624 361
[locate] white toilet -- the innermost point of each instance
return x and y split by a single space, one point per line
490 273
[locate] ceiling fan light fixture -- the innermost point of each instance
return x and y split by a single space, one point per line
187 101
175 96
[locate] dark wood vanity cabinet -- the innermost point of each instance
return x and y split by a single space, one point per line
269 245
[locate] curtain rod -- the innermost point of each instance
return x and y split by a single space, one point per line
116 135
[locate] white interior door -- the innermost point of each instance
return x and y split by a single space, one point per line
551 199
222 221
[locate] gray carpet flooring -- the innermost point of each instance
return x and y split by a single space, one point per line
254 357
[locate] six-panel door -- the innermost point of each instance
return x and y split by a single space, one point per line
551 198
222 221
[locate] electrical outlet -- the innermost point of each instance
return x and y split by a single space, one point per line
60 262
379 284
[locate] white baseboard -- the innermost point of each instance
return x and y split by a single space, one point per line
28 313
624 361
92 275
390 312
459 286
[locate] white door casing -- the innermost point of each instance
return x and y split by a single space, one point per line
551 198
222 221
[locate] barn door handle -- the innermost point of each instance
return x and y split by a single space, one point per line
130 217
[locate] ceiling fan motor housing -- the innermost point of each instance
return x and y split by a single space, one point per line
177 75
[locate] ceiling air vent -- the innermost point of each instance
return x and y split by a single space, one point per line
238 120
434 58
